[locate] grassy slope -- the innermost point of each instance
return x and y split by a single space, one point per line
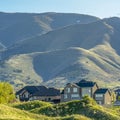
75 109
10 113
19 71
84 107
100 64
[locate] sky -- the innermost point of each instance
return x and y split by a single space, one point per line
99 8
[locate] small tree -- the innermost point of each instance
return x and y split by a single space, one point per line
6 93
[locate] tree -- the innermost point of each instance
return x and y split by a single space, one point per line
6 93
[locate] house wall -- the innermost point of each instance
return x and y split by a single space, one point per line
94 88
70 94
44 98
99 98
24 96
86 91
62 98
107 98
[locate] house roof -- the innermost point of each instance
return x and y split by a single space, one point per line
117 90
84 83
102 91
117 103
30 89
47 92
40 91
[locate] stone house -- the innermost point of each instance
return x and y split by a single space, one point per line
42 93
75 91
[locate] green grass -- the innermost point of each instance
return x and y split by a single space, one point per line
31 105
10 113
86 107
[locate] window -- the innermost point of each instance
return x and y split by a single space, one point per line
74 95
86 91
99 95
75 89
65 96
34 97
68 90
26 95
49 99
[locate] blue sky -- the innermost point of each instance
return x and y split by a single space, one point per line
100 8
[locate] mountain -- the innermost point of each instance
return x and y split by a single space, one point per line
115 40
56 68
68 52
15 27
2 47
79 35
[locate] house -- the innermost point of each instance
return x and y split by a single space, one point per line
103 96
117 92
38 93
75 91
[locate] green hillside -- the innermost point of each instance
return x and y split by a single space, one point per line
75 109
10 113
56 68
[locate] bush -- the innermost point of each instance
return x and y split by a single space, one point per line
6 93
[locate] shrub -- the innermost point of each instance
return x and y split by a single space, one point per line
6 93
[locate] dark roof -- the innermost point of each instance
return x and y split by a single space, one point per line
40 91
31 89
47 92
117 90
84 83
101 91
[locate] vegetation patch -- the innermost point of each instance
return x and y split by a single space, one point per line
86 107
31 105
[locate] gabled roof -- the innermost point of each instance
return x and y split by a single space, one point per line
84 83
40 91
47 92
30 89
102 91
